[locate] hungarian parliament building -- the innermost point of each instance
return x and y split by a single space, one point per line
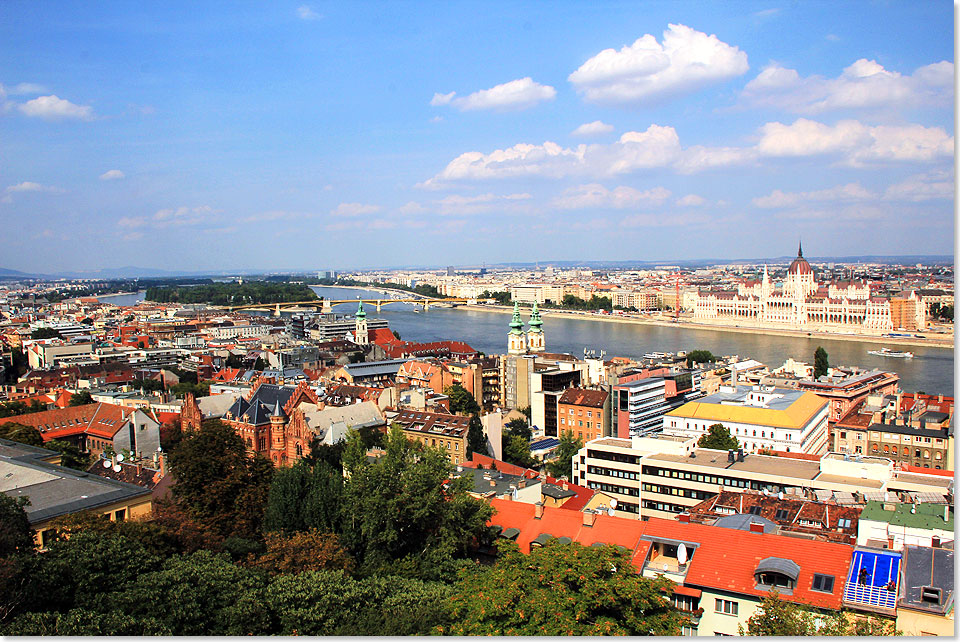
803 304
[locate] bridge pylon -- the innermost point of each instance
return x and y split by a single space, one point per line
379 304
326 308
276 312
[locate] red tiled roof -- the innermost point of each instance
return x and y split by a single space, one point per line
575 503
725 559
581 397
98 419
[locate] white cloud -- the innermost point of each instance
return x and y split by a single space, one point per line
411 207
857 143
841 193
595 128
595 195
864 84
25 88
656 147
514 95
27 187
647 71
171 217
304 12
458 205
442 99
354 209
183 216
54 108
922 187
691 200
30 186
112 175
851 142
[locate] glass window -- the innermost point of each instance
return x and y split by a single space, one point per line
823 583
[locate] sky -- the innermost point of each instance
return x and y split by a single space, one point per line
341 135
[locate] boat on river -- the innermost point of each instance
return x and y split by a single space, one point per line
887 352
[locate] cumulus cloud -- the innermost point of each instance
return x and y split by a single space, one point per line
112 175
691 200
656 147
922 187
510 96
54 108
648 71
595 195
304 12
595 128
23 88
354 209
859 144
850 142
864 84
412 207
840 193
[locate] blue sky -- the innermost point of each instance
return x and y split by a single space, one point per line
272 135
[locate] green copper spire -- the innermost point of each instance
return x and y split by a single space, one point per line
535 321
516 325
360 313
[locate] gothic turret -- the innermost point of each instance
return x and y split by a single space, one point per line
278 445
361 335
516 341
535 338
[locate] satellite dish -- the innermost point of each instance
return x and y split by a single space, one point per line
106 463
682 554
780 495
120 457
116 468
613 503
611 512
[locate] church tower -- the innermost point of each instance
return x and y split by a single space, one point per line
361 336
278 441
535 339
516 341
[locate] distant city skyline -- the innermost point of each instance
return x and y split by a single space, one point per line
287 136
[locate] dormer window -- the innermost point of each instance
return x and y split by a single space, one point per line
777 572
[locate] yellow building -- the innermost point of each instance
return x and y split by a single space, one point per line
448 432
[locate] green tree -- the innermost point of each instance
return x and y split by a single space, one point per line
76 622
561 589
305 496
219 482
777 617
700 356
333 603
81 399
408 513
562 463
461 401
24 434
519 427
476 440
16 536
718 437
70 455
516 451
820 363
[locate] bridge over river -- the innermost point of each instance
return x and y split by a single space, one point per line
326 305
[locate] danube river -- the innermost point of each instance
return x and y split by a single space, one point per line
931 370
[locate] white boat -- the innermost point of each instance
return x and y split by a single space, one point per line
887 352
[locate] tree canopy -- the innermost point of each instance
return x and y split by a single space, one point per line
562 463
700 356
777 617
821 364
718 437
561 589
461 401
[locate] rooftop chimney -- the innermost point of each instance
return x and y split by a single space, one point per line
538 510
684 518
756 527
565 486
588 517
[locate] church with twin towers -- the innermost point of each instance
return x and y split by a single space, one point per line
520 342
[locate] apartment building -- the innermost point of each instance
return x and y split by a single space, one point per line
584 412
663 475
436 429
638 407
760 417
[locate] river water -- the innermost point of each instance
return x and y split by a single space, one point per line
931 370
